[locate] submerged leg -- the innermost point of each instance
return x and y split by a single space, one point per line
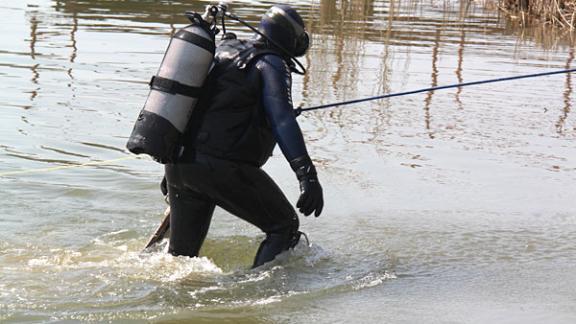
273 245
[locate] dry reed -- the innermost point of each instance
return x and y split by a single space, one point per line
560 13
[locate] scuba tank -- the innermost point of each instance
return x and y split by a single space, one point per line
175 89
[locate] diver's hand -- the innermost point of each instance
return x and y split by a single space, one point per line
164 186
311 198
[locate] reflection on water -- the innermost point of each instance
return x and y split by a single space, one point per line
459 68
33 39
351 23
100 12
425 193
567 95
428 100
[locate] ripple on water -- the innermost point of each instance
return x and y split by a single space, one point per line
111 274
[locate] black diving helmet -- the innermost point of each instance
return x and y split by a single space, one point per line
284 26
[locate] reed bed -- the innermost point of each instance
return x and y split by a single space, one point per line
561 13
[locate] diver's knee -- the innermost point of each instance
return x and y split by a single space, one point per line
288 227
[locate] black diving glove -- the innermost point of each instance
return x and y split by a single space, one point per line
164 186
311 199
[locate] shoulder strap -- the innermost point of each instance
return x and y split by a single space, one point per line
253 51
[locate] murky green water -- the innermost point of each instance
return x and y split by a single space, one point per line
449 207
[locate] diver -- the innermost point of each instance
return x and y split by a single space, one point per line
244 110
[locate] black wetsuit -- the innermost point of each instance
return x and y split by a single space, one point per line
247 108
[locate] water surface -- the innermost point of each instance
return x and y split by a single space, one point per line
453 206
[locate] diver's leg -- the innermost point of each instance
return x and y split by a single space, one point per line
190 212
274 244
249 193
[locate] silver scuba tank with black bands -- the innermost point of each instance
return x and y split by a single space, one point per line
174 92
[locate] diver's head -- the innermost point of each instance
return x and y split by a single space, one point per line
285 27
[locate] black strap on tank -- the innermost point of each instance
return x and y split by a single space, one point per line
197 40
173 87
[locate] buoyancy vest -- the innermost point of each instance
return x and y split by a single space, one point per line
233 125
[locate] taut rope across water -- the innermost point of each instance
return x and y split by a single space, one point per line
299 110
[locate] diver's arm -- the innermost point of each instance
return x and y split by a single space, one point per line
277 102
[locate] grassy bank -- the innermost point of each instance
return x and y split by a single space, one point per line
561 13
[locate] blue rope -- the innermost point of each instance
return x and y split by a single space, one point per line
457 85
